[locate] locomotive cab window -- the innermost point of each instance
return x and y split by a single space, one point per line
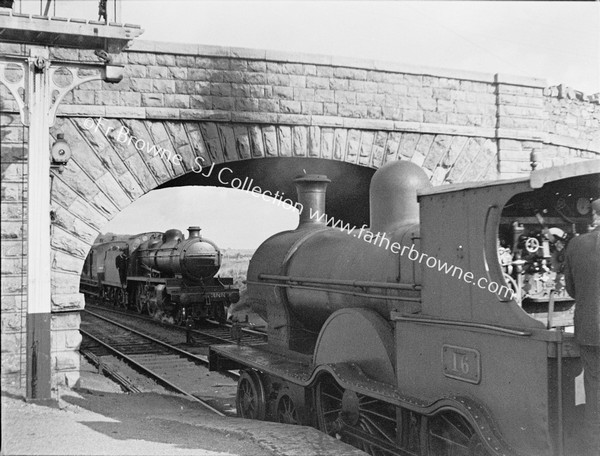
534 231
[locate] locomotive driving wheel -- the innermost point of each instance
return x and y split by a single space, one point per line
121 298
152 308
364 422
476 447
219 312
250 398
140 299
451 434
286 410
110 296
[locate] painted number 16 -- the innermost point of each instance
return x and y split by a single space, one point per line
460 363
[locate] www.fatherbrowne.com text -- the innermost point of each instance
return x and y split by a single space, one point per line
381 240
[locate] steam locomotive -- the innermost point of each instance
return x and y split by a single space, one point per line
446 331
160 273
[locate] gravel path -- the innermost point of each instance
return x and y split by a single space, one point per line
98 419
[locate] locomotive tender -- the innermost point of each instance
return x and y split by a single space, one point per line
160 272
398 357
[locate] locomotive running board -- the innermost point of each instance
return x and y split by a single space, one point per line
229 357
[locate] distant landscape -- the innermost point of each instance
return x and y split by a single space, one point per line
235 264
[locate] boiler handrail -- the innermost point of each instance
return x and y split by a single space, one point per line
348 283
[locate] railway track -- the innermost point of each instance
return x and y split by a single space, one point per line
179 369
210 332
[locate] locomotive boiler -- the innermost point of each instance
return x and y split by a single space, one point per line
161 273
315 270
441 329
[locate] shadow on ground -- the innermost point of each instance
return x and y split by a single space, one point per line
164 419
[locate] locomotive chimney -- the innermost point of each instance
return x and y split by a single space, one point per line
311 195
194 232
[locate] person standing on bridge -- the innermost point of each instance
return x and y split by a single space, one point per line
582 278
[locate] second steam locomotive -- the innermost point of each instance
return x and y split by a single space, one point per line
160 273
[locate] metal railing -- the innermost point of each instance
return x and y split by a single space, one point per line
108 11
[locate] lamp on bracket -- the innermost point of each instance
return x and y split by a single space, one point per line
112 72
60 153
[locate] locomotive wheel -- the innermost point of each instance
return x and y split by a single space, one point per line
152 309
361 421
451 434
286 410
121 298
476 447
110 296
160 304
250 397
219 312
140 303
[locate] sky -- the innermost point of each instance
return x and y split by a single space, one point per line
557 41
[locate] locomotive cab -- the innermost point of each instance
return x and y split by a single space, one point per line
498 302
534 232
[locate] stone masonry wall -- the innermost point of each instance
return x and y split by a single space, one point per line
225 85
572 114
14 245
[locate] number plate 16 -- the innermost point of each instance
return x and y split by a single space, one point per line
461 363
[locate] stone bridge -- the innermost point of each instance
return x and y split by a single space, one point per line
266 116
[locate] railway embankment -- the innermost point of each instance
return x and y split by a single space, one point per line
98 419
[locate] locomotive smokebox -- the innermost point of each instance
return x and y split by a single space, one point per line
393 195
311 195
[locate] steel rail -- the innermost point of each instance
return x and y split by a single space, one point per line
177 327
103 368
201 359
150 372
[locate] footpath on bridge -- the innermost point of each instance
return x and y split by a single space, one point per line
98 419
